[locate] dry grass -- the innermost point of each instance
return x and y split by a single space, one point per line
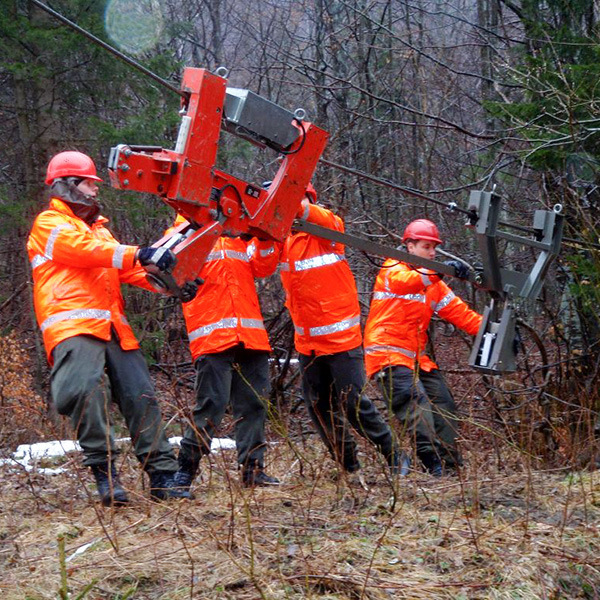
509 528
521 534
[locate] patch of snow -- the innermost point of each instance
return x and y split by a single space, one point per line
222 444
216 444
81 550
293 361
28 456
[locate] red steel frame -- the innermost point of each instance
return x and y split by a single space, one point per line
186 178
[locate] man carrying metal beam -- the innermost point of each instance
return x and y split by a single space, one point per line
323 302
78 267
230 349
404 300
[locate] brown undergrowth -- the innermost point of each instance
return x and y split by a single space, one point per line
516 533
22 410
516 524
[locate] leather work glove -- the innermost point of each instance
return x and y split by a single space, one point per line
460 269
189 290
162 258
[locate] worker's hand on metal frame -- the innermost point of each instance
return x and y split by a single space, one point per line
189 289
162 258
461 270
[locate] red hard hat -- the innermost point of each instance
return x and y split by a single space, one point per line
311 193
71 164
421 229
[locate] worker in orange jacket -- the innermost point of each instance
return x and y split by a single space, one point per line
322 299
404 300
77 268
230 349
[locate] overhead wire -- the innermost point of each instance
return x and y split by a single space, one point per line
451 206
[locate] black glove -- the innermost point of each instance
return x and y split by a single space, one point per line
162 258
189 290
460 269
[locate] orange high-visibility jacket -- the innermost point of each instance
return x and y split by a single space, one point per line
404 300
226 311
77 272
320 289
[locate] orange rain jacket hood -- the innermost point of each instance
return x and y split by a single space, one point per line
77 272
404 300
226 311
320 288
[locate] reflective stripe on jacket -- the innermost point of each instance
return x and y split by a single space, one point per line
404 300
320 289
226 311
77 272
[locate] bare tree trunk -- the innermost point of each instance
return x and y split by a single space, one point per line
488 13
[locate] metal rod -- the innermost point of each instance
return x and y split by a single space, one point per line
373 247
112 50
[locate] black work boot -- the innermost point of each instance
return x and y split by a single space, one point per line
352 467
400 464
186 474
432 463
254 475
110 490
452 465
451 460
163 487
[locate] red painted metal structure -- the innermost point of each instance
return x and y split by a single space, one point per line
215 203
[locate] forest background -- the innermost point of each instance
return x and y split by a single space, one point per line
441 97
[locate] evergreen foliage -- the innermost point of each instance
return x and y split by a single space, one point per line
557 116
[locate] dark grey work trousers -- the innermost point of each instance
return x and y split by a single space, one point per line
238 376
80 391
333 387
424 405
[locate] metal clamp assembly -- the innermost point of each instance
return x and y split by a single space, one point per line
493 351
